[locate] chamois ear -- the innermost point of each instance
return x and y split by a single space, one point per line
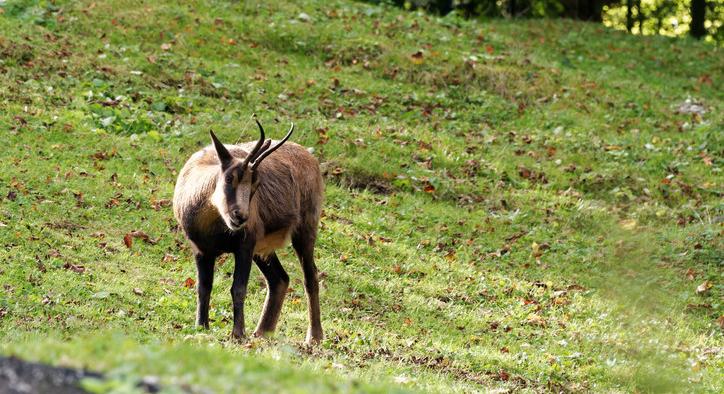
224 155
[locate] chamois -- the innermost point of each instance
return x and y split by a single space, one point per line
242 199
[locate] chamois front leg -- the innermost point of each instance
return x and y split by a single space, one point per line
204 284
242 267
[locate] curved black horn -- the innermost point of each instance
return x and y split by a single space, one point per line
254 152
269 151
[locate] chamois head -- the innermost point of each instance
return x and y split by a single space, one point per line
238 178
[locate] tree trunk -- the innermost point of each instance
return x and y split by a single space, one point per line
698 17
443 7
629 15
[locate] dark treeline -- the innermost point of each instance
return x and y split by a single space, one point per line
699 18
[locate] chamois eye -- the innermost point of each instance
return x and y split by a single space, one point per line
228 179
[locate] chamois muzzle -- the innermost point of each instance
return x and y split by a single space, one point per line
237 218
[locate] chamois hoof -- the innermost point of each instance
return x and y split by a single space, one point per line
238 337
313 340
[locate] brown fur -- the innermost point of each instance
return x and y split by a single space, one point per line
286 205
290 191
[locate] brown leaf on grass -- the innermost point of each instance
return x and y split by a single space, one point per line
706 159
535 320
690 274
705 79
137 291
128 238
158 204
323 137
429 188
189 283
75 268
531 175
167 258
450 256
704 287
417 58
515 236
103 155
113 202
79 200
720 322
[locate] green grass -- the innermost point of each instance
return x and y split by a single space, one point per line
519 208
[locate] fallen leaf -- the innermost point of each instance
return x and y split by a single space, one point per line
167 258
137 291
189 283
704 287
450 256
503 375
690 274
417 58
536 320
75 268
128 240
706 159
158 204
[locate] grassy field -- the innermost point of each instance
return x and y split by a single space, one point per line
525 206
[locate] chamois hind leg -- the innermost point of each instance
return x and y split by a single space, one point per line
277 282
204 284
303 243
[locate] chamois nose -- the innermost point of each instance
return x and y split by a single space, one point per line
237 216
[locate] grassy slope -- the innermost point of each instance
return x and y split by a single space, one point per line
537 216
